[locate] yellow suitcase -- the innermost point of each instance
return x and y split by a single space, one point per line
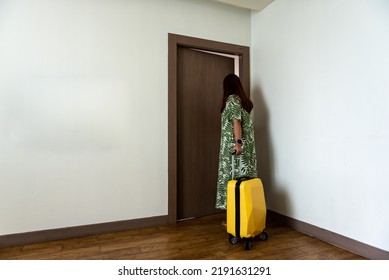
246 210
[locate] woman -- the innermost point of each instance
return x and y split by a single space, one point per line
237 136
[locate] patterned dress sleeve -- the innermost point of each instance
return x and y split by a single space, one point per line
233 108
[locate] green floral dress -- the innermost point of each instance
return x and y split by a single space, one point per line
234 110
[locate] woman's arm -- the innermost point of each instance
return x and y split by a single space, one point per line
237 137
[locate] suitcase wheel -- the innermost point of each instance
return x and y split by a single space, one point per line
233 239
247 244
263 236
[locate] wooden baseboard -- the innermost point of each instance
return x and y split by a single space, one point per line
79 231
333 238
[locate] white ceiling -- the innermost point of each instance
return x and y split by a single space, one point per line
256 5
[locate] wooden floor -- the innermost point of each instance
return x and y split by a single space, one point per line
197 239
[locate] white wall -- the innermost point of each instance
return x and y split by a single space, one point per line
320 80
83 105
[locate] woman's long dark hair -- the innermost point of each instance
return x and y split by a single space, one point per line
232 85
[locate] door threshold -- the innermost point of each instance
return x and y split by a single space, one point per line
185 219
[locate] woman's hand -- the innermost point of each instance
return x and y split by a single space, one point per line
237 149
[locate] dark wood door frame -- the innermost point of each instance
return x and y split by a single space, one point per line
175 41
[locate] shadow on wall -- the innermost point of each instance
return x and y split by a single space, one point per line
276 197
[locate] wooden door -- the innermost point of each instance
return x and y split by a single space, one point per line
208 79
199 94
